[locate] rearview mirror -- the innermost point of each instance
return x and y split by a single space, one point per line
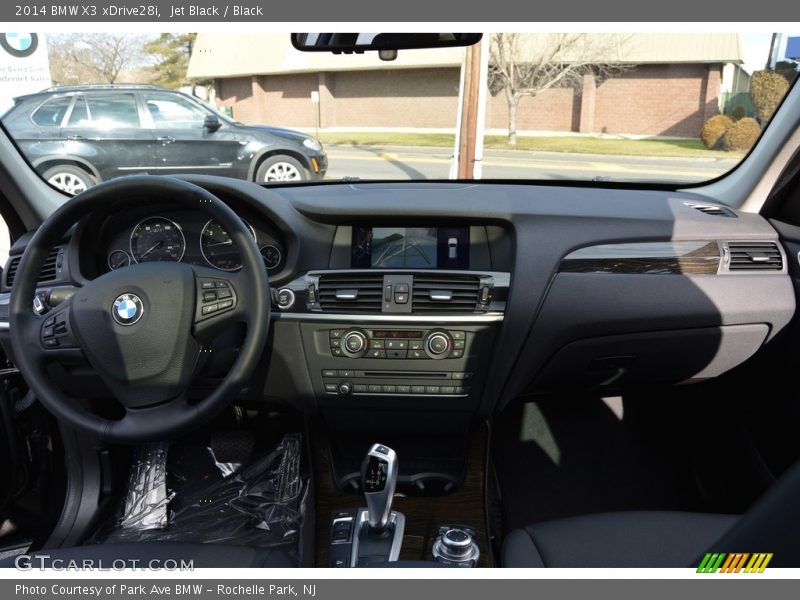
211 123
361 42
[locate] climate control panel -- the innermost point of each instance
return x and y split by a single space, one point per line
436 344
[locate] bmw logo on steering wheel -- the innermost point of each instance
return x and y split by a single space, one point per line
128 309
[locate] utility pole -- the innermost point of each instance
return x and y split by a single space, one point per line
468 150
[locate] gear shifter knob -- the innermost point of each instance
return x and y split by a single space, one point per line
378 480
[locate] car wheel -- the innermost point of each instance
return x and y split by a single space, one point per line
70 179
281 168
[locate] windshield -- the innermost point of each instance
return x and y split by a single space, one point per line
675 108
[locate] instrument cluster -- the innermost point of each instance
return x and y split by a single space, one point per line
185 236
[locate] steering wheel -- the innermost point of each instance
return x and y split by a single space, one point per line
142 328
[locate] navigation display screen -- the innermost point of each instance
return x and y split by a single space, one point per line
410 248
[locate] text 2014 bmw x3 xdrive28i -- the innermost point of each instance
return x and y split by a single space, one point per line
77 136
448 373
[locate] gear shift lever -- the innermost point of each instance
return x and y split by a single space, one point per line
378 480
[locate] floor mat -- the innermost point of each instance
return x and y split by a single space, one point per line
186 495
561 457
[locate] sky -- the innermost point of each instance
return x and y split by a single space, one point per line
755 49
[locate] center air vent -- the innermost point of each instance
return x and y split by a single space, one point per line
48 272
445 293
754 256
357 293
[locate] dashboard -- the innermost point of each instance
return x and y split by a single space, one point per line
456 298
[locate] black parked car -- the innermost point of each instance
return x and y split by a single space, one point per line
77 136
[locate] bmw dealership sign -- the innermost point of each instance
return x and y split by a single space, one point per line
24 67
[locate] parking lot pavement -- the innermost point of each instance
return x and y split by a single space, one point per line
401 162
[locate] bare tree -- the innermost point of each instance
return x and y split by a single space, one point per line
528 64
94 57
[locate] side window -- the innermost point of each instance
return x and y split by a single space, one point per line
51 113
5 242
80 115
106 111
174 112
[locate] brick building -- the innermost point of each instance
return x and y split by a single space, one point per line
672 84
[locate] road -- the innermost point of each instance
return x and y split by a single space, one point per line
399 162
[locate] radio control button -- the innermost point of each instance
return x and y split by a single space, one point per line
389 389
359 388
403 389
331 387
329 373
417 389
374 389
432 389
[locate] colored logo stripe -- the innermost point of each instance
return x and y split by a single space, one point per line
734 563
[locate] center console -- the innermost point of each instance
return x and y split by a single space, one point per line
405 319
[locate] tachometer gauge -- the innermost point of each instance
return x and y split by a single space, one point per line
118 259
157 238
272 256
218 248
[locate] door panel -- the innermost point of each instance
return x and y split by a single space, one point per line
183 144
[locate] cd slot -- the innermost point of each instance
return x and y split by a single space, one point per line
405 374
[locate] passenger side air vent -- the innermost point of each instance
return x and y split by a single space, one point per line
356 293
445 293
712 209
48 272
754 256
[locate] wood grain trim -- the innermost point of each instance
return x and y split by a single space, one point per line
423 515
646 258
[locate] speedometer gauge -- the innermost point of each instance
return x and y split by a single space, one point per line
218 248
157 238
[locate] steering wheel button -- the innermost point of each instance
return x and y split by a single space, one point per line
51 343
210 308
225 304
206 285
209 296
225 293
47 332
221 284
50 322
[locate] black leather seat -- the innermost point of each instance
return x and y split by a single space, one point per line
664 539
626 539
201 555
